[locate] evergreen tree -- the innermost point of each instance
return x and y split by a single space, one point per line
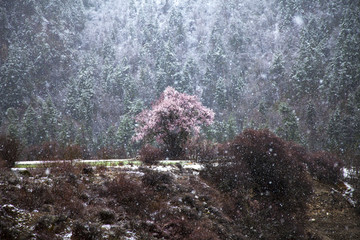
309 71
237 89
289 129
13 125
277 80
334 130
344 73
80 100
110 137
67 133
231 128
217 58
221 93
176 31
311 125
125 132
236 39
287 9
15 89
189 78
167 69
30 127
49 120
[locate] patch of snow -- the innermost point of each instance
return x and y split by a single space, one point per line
348 194
106 226
130 235
194 166
162 168
18 169
349 173
67 236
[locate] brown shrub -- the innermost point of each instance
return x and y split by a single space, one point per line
271 166
156 180
177 229
49 151
74 152
111 153
150 155
85 231
200 150
9 150
261 168
132 196
326 167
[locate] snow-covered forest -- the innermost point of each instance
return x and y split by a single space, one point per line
77 72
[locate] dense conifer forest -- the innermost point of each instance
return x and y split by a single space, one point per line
77 72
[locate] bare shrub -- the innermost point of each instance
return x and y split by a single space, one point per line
132 196
150 155
266 182
326 167
85 231
111 153
49 151
200 150
178 229
156 180
73 152
9 150
271 166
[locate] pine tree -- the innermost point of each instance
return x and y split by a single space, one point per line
30 127
125 132
13 125
237 89
334 130
277 80
67 133
309 71
231 128
289 129
311 125
176 31
80 98
344 73
221 93
14 84
49 120
167 69
189 78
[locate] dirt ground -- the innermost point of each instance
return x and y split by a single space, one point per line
331 216
186 207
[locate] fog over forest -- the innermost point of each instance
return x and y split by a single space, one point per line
76 72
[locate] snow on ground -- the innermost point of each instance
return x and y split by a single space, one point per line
348 194
163 166
349 173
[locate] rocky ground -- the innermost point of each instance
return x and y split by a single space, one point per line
142 203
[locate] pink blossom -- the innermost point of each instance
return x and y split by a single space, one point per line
172 114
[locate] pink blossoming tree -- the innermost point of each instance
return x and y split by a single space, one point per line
172 120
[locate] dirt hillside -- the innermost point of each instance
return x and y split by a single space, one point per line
331 216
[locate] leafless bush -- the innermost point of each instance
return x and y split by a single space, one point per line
9 150
150 154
